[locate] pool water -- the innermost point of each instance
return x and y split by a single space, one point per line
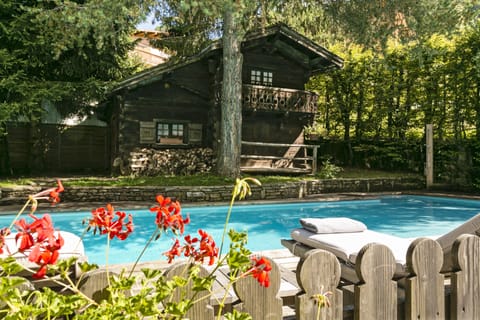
266 224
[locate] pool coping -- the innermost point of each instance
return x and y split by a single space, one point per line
138 205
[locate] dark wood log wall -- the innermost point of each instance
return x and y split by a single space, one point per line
286 73
182 95
72 149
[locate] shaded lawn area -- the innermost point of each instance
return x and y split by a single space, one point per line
195 180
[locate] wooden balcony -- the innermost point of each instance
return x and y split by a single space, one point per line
278 99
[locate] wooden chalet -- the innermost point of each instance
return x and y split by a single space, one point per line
176 105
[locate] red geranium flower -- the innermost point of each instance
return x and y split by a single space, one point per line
206 248
103 220
24 237
260 269
45 253
52 194
175 251
39 237
169 215
4 232
43 227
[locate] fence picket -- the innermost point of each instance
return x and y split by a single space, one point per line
262 303
424 287
376 294
319 273
465 282
201 310
94 284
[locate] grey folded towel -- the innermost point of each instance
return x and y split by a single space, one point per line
332 225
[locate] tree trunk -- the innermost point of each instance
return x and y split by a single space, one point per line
228 157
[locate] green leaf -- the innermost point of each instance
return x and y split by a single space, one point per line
85 266
151 273
203 284
237 315
10 266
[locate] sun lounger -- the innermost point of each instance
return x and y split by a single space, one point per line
72 247
345 237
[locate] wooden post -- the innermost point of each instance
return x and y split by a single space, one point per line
201 310
376 294
429 156
314 161
94 284
319 275
466 281
425 298
262 303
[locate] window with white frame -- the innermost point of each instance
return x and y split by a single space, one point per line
267 78
256 77
259 77
170 133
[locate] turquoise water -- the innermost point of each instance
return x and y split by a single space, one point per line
266 224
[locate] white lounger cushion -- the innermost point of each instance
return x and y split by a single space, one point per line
73 247
332 225
347 245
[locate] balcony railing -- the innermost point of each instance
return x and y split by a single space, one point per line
278 99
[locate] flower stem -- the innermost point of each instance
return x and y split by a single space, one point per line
70 285
20 213
226 223
233 279
106 258
154 234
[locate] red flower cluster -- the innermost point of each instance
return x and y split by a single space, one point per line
103 220
169 215
39 238
206 248
260 269
4 232
51 194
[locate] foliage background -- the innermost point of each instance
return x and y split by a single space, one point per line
407 63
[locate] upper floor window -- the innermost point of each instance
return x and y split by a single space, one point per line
264 78
170 133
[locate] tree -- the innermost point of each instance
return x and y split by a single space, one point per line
61 52
376 22
235 18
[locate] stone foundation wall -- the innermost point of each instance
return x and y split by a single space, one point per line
219 193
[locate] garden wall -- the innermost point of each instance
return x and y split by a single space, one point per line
279 191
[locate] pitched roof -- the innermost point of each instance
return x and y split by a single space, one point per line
286 40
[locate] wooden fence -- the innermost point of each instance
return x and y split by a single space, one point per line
58 149
295 158
424 293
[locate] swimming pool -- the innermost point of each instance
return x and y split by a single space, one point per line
404 216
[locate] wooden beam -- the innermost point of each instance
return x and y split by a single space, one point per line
253 156
254 43
292 53
314 63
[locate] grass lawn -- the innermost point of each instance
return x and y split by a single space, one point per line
196 180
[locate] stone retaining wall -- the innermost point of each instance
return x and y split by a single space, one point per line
297 190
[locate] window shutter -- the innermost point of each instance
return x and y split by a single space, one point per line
147 132
195 133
